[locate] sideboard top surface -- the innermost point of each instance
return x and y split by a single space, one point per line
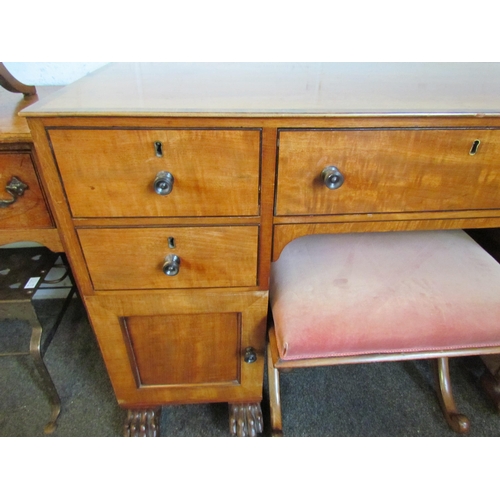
279 89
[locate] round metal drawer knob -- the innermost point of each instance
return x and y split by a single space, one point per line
172 265
163 183
250 355
332 177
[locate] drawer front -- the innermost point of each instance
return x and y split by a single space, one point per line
29 209
388 171
111 173
134 258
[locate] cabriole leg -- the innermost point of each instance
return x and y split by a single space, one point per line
273 376
458 422
36 355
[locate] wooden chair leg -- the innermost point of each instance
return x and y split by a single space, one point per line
458 422
274 396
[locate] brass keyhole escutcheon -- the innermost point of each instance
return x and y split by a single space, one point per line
474 147
158 149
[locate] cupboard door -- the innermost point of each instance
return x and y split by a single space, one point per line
184 348
181 347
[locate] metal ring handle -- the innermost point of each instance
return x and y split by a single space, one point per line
332 177
15 188
172 265
163 183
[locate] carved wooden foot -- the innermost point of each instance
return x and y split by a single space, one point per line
458 422
491 386
245 419
142 423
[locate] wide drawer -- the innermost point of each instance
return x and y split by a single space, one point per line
29 209
134 258
398 170
111 173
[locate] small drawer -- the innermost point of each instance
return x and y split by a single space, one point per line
175 257
116 173
21 211
398 170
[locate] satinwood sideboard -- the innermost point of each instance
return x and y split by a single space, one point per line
174 186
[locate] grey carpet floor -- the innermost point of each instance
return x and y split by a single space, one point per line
382 399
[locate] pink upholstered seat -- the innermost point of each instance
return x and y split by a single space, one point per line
355 294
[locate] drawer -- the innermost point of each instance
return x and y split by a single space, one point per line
28 211
398 170
111 173
134 258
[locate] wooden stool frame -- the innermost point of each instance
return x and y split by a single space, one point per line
458 422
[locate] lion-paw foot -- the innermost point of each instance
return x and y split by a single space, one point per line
141 423
245 419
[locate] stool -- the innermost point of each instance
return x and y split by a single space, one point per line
22 272
368 297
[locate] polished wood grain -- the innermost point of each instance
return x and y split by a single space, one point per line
279 89
29 210
110 173
28 219
165 221
132 258
388 171
51 183
343 121
47 237
108 314
185 348
406 132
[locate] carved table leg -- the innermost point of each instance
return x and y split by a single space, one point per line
142 423
245 419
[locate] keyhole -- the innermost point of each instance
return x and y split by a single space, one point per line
475 145
158 149
171 242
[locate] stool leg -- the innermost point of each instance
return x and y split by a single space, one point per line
458 422
35 352
274 396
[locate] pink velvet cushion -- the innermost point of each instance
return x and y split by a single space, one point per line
352 294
